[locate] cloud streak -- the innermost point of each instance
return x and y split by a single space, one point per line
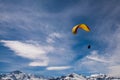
58 68
96 57
33 52
51 37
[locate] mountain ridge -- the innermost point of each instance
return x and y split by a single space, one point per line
19 75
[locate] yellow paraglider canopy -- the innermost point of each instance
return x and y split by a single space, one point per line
81 26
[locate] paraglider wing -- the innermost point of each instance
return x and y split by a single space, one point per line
74 29
81 26
84 27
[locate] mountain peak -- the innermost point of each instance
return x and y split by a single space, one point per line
73 75
16 72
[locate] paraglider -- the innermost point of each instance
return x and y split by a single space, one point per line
89 46
83 27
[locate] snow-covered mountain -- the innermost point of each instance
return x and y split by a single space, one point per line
72 76
75 76
18 75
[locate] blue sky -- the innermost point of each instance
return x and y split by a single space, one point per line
36 37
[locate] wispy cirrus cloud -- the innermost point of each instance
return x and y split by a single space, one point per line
114 70
38 54
96 57
51 37
58 67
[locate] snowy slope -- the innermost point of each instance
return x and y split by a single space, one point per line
18 75
75 77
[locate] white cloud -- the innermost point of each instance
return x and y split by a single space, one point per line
114 51
33 52
114 71
90 65
58 67
50 40
53 36
40 54
39 63
96 57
